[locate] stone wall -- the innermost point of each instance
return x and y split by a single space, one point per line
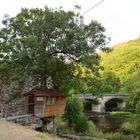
31 122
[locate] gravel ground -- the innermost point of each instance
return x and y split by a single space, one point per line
11 131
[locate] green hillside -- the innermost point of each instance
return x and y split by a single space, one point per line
124 59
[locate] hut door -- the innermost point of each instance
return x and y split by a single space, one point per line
31 104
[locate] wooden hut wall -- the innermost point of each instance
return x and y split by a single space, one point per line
55 109
40 105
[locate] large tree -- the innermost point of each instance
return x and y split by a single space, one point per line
51 44
110 82
131 86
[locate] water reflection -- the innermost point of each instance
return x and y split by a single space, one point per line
106 122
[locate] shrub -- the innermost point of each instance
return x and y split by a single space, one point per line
74 115
74 108
127 128
91 129
137 121
81 124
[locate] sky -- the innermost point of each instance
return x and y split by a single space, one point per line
121 18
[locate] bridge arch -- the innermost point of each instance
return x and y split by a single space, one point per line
117 101
114 104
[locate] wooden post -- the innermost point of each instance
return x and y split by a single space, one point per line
44 107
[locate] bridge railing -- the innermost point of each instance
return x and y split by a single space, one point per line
86 96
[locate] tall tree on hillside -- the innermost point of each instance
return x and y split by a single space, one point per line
131 86
47 43
110 82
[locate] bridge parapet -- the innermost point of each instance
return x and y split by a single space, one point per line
86 96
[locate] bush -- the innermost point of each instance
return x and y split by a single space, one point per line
74 115
91 129
127 128
81 124
135 120
74 108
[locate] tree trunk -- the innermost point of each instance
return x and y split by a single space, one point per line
44 82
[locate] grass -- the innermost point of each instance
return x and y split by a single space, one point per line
120 113
62 126
45 136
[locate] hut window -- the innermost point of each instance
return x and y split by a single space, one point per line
51 101
39 98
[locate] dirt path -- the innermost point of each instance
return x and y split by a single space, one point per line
11 131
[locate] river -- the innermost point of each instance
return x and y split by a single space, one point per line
107 123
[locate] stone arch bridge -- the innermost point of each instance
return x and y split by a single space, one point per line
101 106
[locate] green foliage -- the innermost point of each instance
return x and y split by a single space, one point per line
131 84
43 43
110 82
137 119
81 124
74 115
74 109
62 126
4 72
123 59
91 129
118 136
127 128
134 119
111 136
120 113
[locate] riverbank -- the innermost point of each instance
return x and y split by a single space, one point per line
92 132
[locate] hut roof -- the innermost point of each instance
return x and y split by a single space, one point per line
46 92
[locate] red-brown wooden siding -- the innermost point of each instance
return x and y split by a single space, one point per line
56 109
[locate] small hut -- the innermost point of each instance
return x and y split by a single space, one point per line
43 102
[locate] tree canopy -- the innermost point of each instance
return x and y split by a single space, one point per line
131 84
123 59
110 82
50 43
